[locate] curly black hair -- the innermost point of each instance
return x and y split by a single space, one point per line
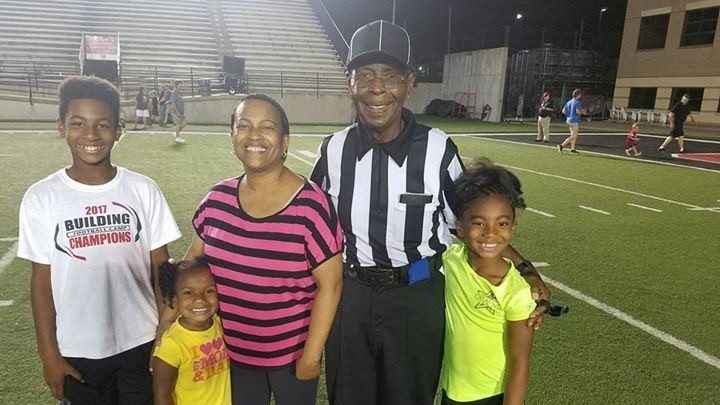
79 87
481 178
284 123
170 272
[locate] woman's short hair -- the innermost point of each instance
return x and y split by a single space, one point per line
284 123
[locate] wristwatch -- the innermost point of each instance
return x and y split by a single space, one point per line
524 267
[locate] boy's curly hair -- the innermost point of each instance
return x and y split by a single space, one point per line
170 272
481 178
79 87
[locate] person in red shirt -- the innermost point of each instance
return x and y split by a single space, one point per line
632 140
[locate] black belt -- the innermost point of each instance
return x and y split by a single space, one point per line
377 276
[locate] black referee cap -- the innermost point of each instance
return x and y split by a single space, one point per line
379 42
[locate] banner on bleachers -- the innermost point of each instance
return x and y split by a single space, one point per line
101 47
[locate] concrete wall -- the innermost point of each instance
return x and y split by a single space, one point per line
300 108
481 72
421 95
672 66
19 109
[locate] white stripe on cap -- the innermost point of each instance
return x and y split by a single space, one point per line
409 46
380 39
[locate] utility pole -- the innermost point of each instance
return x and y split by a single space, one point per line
580 41
600 16
449 27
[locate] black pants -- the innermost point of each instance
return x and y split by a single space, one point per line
123 379
677 130
386 344
253 387
496 400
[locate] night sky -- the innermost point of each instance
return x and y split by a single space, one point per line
480 24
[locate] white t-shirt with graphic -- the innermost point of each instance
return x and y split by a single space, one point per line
97 241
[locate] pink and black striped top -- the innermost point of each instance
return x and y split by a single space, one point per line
263 270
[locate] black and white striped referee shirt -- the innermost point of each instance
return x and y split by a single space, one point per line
392 198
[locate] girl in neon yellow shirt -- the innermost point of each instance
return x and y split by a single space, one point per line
487 341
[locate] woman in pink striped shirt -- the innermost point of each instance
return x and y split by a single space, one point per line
274 245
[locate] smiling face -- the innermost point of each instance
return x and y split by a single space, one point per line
196 298
90 133
487 227
258 139
379 102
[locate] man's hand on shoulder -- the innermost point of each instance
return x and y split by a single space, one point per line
539 292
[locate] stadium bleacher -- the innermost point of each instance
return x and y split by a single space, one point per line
283 42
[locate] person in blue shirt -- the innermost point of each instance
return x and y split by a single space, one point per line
573 110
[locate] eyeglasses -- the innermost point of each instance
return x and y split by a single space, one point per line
389 80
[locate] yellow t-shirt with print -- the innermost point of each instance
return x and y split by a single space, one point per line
202 363
477 313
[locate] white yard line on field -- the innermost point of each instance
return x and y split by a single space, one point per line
6 303
545 214
713 209
26 131
644 207
145 132
555 176
536 145
295 155
665 337
8 257
623 134
690 206
594 210
8 239
169 131
307 153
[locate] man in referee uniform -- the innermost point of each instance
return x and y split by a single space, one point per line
390 180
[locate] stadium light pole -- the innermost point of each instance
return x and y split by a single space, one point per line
394 9
600 15
518 17
449 26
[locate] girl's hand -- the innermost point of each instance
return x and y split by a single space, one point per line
306 369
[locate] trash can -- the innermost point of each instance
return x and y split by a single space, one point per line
204 87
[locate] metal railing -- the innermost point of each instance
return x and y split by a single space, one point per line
42 80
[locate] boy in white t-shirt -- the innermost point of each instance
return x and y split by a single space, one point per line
95 234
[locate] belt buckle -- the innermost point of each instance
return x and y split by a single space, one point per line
384 276
391 278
